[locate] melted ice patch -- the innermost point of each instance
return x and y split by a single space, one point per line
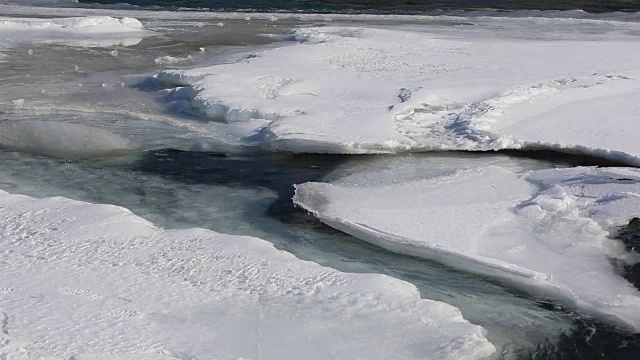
60 139
544 230
73 272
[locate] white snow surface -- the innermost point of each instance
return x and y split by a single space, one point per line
339 89
545 231
87 281
84 31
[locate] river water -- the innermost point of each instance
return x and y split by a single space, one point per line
385 6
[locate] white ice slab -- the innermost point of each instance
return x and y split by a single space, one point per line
96 282
422 88
545 231
87 31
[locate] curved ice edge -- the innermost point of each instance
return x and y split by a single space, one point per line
269 142
302 146
460 338
510 274
312 146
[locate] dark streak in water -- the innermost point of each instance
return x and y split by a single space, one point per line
278 172
591 340
564 158
630 236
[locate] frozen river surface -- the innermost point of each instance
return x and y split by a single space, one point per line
449 166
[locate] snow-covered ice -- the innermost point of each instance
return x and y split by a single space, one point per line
546 231
419 88
95 281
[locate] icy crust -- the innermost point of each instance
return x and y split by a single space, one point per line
365 90
94 281
545 231
89 31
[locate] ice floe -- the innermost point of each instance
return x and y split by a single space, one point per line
419 88
546 231
85 31
95 281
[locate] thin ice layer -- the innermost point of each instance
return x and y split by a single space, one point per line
60 139
95 281
421 88
545 231
89 31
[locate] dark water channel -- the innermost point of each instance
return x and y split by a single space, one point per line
251 195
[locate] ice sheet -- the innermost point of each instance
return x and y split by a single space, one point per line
95 281
545 231
418 88
437 83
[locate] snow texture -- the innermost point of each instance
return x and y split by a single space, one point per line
386 90
87 281
545 231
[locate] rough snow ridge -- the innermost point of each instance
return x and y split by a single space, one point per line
473 126
546 231
95 282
